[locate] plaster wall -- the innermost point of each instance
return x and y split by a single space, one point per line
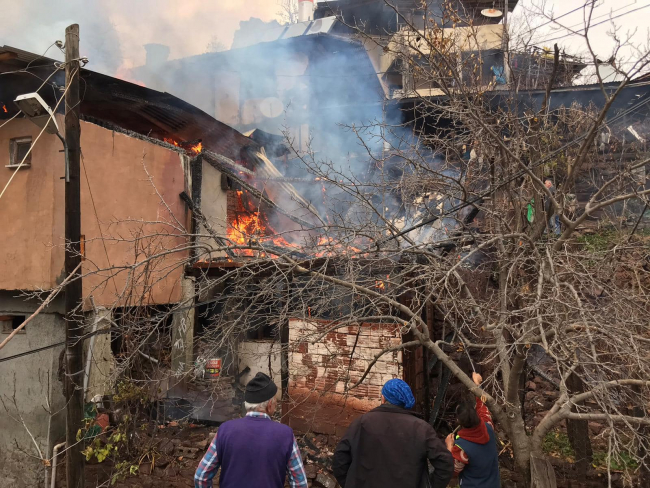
214 204
260 356
129 192
32 394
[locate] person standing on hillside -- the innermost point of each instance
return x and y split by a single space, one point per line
474 448
391 447
253 451
554 218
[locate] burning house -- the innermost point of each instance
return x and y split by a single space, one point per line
311 88
162 186
164 175
169 194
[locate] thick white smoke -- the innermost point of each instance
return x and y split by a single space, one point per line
114 31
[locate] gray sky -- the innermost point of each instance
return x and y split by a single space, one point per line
634 24
113 31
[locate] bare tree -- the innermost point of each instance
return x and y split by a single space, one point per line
452 213
288 11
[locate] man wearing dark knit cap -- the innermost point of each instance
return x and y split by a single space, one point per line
391 447
253 451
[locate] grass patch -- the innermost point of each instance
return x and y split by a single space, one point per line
599 242
622 461
557 444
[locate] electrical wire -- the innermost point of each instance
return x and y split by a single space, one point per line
554 19
62 343
583 30
36 140
26 68
101 232
581 23
31 351
515 176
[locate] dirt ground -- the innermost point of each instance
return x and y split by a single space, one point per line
167 455
173 453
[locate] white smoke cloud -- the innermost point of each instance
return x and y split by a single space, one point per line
113 31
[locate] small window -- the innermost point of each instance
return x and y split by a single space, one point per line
10 323
18 149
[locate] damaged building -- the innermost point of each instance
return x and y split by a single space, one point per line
302 89
154 169
163 184
216 166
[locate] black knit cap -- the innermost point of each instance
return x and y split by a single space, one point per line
260 389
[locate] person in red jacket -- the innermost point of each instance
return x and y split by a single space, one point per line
474 448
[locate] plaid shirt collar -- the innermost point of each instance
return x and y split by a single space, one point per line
258 414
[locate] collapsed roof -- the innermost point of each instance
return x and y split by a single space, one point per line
116 103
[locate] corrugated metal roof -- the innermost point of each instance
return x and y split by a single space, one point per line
122 104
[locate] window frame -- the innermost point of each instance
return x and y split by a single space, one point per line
13 152
6 328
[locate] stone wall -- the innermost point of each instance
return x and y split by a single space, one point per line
322 369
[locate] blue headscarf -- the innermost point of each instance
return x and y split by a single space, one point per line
398 393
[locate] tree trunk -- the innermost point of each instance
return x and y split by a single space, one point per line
537 471
520 442
542 473
578 432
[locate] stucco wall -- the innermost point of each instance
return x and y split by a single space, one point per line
34 381
260 356
126 203
214 204
129 180
28 212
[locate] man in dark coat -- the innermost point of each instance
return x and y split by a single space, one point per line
391 447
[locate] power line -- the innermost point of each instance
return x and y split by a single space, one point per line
26 68
595 18
583 30
51 346
32 145
99 226
554 19
32 351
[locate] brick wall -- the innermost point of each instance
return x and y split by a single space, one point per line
320 370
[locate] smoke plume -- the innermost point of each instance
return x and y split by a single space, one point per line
113 32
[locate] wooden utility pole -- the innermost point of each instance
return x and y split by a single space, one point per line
73 292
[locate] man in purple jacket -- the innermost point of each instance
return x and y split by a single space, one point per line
253 451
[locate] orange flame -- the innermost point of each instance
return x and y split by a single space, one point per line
4 108
381 284
252 225
196 149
